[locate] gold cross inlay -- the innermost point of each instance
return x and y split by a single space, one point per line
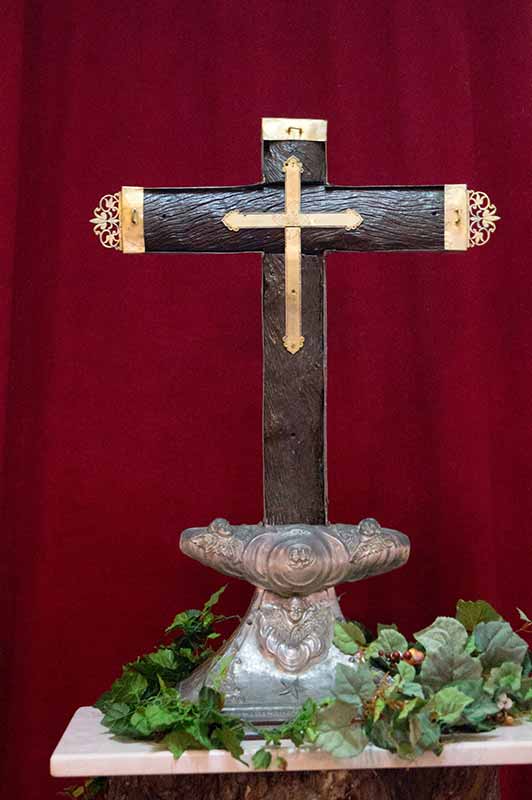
292 221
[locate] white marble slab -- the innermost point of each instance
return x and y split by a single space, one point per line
87 748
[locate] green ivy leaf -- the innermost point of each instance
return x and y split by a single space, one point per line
164 658
406 672
354 685
471 612
224 665
213 599
382 626
388 640
179 741
445 631
183 620
409 707
380 705
406 683
348 637
412 689
424 734
298 729
381 734
446 660
472 687
506 678
128 688
281 763
445 665
448 704
230 739
154 718
336 734
261 759
497 643
117 719
525 694
209 700
476 714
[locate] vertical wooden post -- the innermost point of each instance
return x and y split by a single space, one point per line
294 444
294 385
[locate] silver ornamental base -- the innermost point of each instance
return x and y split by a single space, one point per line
282 652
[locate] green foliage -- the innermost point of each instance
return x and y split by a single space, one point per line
497 643
348 637
298 730
506 678
446 660
444 632
471 612
336 732
447 705
354 686
388 640
261 759
144 702
464 674
171 663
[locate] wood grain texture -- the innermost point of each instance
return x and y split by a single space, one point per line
451 783
294 399
311 154
395 218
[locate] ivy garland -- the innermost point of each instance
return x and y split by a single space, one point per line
467 673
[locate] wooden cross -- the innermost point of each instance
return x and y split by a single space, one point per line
294 217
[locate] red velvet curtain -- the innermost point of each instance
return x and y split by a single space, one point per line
131 386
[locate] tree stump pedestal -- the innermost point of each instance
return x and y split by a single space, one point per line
454 783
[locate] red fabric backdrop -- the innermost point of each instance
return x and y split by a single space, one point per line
131 390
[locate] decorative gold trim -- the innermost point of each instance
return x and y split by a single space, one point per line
132 219
482 218
276 129
293 169
292 340
456 217
106 220
349 219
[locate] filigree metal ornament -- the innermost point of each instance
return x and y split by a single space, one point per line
482 218
106 220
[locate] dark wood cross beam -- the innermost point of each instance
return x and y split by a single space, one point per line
294 217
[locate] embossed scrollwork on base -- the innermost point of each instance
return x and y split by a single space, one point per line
294 632
106 220
482 218
297 559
